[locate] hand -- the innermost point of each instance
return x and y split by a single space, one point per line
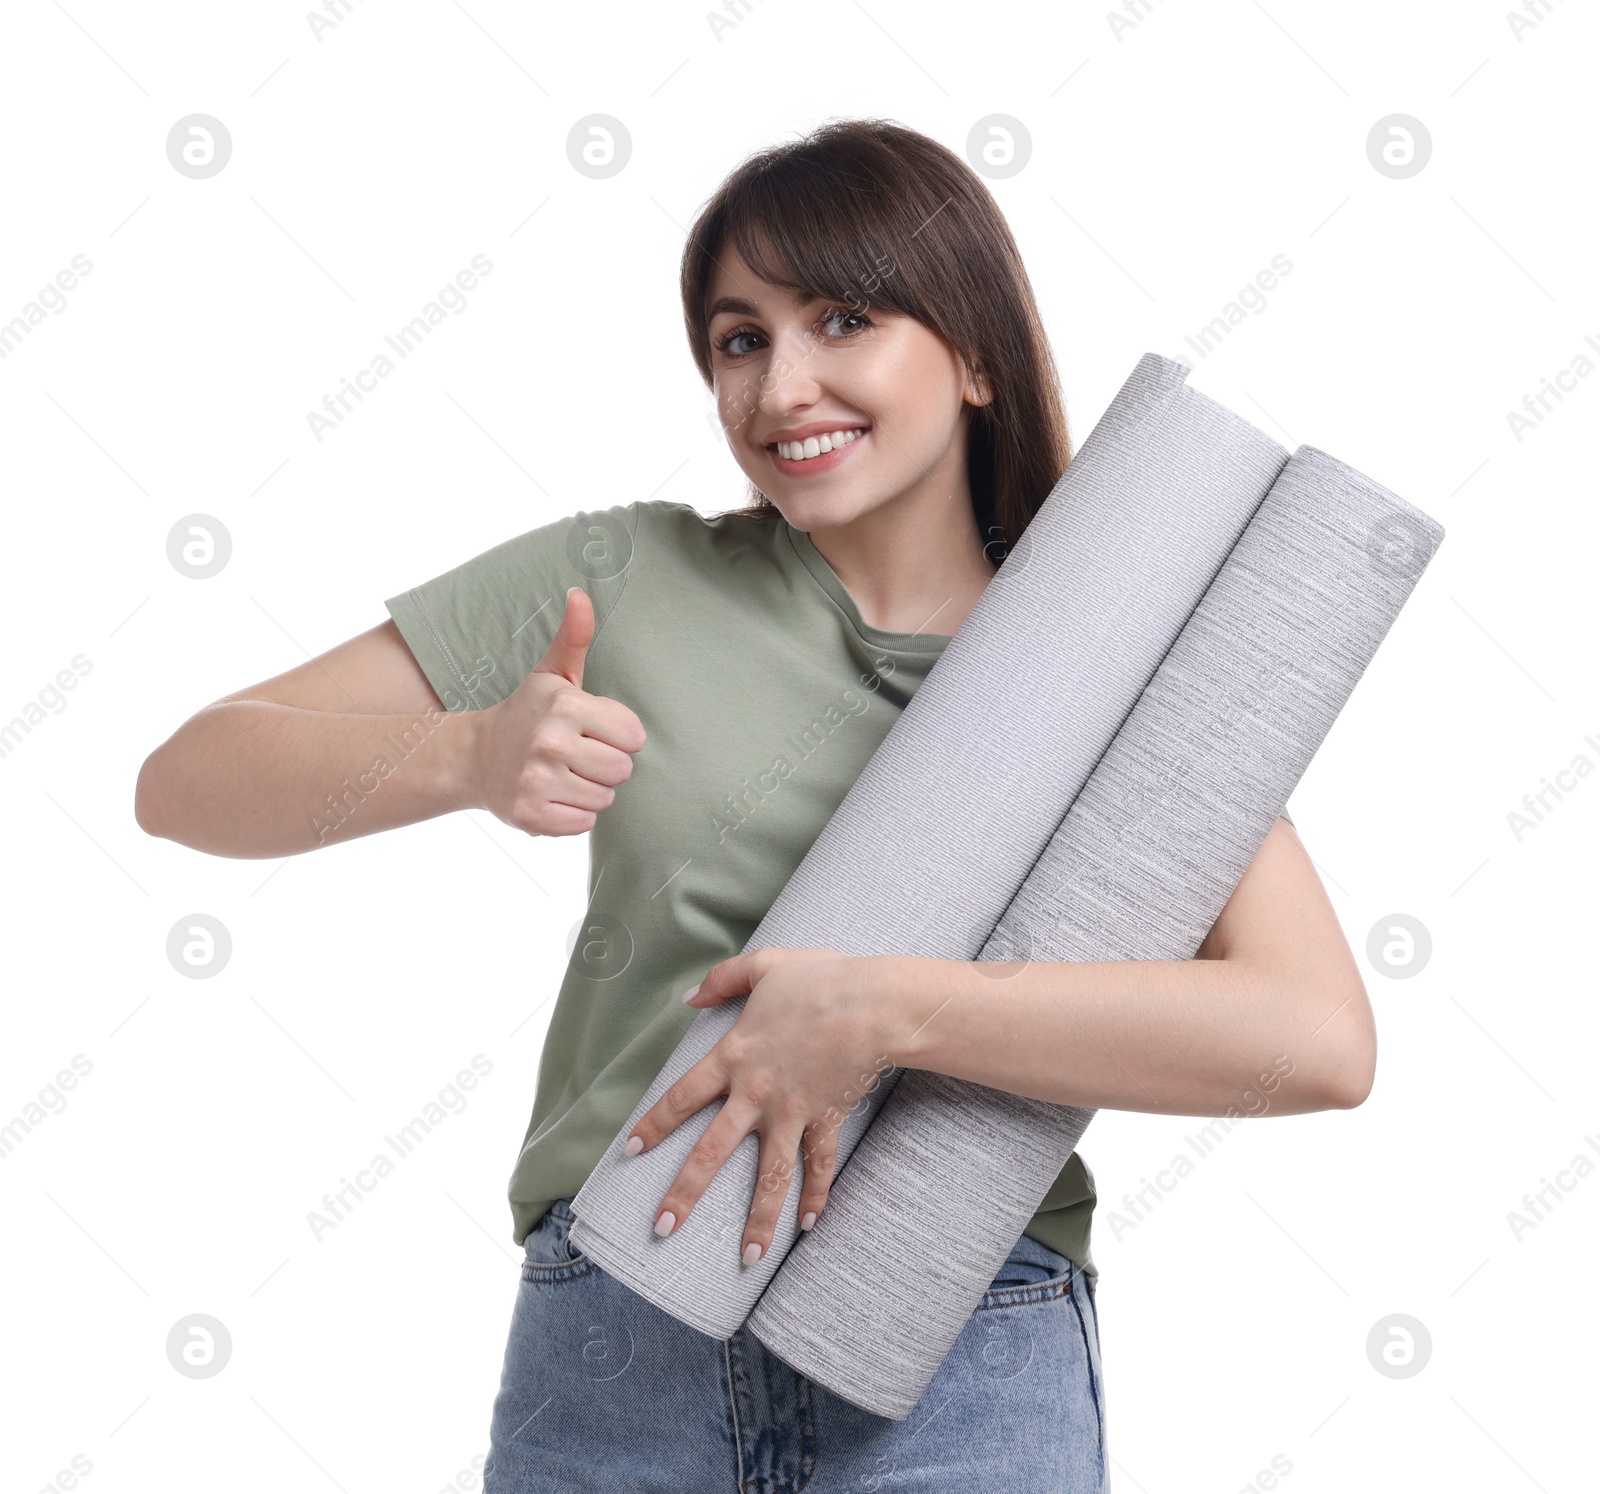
808 1044
548 757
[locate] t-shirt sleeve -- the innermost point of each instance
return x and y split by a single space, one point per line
478 629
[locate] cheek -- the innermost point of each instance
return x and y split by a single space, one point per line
914 398
738 397
732 412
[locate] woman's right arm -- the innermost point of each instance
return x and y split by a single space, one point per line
253 774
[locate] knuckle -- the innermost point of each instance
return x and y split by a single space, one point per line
534 776
545 747
819 1166
757 1089
704 1152
735 1051
527 814
775 1165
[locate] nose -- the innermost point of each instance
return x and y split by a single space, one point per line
789 381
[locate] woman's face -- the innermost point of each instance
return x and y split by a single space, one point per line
784 372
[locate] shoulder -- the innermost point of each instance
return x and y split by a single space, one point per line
682 528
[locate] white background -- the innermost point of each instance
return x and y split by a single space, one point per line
1168 165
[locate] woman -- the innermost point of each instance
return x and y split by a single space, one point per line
857 305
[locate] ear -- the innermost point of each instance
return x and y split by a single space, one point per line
977 391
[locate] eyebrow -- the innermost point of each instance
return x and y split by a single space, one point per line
744 308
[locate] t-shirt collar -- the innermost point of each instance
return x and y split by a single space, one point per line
926 645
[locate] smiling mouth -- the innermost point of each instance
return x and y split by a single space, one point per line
815 447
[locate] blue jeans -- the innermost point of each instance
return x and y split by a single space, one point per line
603 1391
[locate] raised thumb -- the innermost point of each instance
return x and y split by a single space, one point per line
570 646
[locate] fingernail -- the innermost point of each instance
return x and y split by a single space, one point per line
752 1252
808 1218
689 994
665 1222
633 1148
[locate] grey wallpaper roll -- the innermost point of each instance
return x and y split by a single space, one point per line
950 1173
973 778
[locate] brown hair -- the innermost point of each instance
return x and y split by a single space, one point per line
865 211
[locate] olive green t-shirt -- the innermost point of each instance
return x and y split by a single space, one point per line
763 693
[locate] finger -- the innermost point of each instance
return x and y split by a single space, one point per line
598 761
698 1087
563 819
820 1153
720 1140
570 646
611 721
580 792
596 717
772 1187
732 977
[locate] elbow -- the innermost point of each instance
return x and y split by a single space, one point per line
146 797
1335 1021
1352 1085
1351 1080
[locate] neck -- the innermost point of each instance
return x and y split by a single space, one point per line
913 565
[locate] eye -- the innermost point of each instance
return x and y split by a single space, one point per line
724 343
721 344
841 312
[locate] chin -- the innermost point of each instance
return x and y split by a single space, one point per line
815 513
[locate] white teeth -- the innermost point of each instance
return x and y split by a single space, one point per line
799 451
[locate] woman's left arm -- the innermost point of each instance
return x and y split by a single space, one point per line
1274 982
1272 1000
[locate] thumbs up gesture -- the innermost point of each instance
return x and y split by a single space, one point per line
548 757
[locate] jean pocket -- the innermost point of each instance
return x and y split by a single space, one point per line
548 1254
1031 1273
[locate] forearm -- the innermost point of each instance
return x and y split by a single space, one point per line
253 778
1183 1037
